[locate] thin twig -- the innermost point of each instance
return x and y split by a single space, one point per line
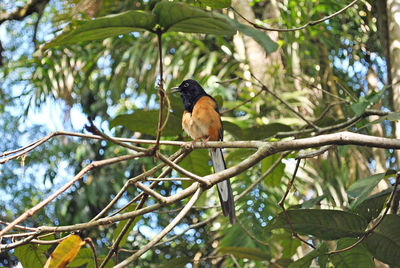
311 124
314 153
166 230
77 177
310 23
282 205
243 102
91 244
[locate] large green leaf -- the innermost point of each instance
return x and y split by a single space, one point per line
180 17
372 206
307 259
384 242
197 162
146 122
101 28
355 257
264 131
32 255
84 256
170 16
324 224
245 253
360 190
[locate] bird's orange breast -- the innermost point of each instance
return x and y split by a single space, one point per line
204 121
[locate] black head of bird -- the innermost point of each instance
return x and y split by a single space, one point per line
190 92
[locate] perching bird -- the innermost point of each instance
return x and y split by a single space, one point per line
201 120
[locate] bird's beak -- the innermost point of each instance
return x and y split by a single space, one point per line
175 89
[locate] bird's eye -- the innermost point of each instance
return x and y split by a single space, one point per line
186 85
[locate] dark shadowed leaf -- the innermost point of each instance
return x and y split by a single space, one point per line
264 131
233 129
245 253
355 257
384 242
85 256
197 162
324 224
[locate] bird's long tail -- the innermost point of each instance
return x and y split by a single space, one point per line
224 187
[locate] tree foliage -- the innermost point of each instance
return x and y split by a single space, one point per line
102 59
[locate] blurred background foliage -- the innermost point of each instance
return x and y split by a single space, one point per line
340 62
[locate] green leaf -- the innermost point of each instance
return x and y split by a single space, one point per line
264 131
233 129
360 107
104 27
372 206
274 178
245 253
146 122
260 37
177 262
217 3
355 257
360 190
32 255
85 256
122 224
384 242
220 101
180 17
197 162
307 259
324 224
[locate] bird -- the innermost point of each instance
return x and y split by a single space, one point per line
201 120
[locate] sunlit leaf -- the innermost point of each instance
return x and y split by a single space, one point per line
360 190
65 252
217 3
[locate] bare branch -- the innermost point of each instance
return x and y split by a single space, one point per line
166 230
44 202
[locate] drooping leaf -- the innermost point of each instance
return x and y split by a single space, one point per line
355 257
260 37
360 190
65 252
233 129
384 242
177 262
104 27
245 253
217 3
324 224
360 107
307 259
122 224
274 178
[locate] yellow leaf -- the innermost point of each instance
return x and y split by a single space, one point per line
65 252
